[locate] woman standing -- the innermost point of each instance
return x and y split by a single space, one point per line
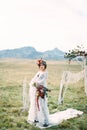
38 111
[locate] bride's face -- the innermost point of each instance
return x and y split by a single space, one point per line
42 67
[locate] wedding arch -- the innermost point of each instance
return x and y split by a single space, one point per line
69 77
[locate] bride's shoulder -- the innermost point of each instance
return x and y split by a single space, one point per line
45 72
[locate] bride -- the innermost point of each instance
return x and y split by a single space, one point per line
38 111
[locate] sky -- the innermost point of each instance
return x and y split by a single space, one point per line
43 24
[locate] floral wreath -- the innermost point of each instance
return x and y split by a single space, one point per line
41 61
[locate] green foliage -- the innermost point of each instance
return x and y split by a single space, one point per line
75 53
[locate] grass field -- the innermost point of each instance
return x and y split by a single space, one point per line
12 73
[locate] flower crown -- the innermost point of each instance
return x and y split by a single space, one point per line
40 61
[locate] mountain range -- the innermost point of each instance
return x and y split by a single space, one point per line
31 53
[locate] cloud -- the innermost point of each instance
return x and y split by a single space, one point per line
77 6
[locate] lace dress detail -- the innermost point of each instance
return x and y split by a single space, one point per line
41 114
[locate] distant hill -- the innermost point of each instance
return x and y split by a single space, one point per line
31 53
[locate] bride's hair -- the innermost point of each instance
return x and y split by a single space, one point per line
41 61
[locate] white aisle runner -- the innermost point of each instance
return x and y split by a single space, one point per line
58 117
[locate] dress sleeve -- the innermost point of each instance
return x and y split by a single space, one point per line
34 79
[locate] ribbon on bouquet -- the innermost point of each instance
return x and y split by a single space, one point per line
40 92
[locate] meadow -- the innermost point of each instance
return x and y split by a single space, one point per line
12 74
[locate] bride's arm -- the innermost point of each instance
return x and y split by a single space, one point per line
33 81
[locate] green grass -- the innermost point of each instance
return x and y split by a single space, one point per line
12 73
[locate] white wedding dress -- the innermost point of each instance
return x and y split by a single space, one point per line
41 114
